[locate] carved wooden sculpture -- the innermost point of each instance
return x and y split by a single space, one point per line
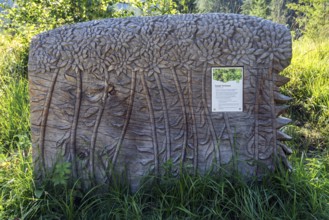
131 94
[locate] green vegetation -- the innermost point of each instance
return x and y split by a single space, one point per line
312 17
300 194
227 74
14 104
258 8
309 87
218 6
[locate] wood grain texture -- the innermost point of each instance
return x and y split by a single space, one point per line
129 95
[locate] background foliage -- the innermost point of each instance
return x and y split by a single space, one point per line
312 17
302 194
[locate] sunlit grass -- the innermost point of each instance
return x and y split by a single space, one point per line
14 104
301 194
309 86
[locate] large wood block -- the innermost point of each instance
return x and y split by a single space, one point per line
129 95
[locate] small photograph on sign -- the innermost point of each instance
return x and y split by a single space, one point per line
227 89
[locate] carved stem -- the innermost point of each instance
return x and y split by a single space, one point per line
273 112
95 131
126 123
165 115
229 131
256 150
153 126
209 120
182 102
44 120
195 131
75 121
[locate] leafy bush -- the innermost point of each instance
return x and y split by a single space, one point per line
227 74
53 13
30 17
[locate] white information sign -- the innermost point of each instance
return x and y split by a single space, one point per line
227 89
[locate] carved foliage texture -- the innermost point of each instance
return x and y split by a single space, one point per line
132 94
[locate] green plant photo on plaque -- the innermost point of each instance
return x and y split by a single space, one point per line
227 74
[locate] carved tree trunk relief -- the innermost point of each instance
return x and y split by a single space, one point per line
129 95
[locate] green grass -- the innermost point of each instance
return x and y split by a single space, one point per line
14 104
309 86
300 194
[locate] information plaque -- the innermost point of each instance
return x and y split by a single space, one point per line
227 89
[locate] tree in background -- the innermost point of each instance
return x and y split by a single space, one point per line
275 10
225 6
186 6
279 11
150 7
312 17
259 8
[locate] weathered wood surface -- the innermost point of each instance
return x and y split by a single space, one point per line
131 94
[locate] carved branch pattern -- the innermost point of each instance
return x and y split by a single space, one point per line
193 122
165 115
153 125
76 119
184 116
126 123
209 120
96 127
43 125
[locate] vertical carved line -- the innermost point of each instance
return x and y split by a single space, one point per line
165 115
230 134
181 99
195 131
126 123
95 131
153 126
229 131
208 116
75 121
273 113
44 120
256 150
